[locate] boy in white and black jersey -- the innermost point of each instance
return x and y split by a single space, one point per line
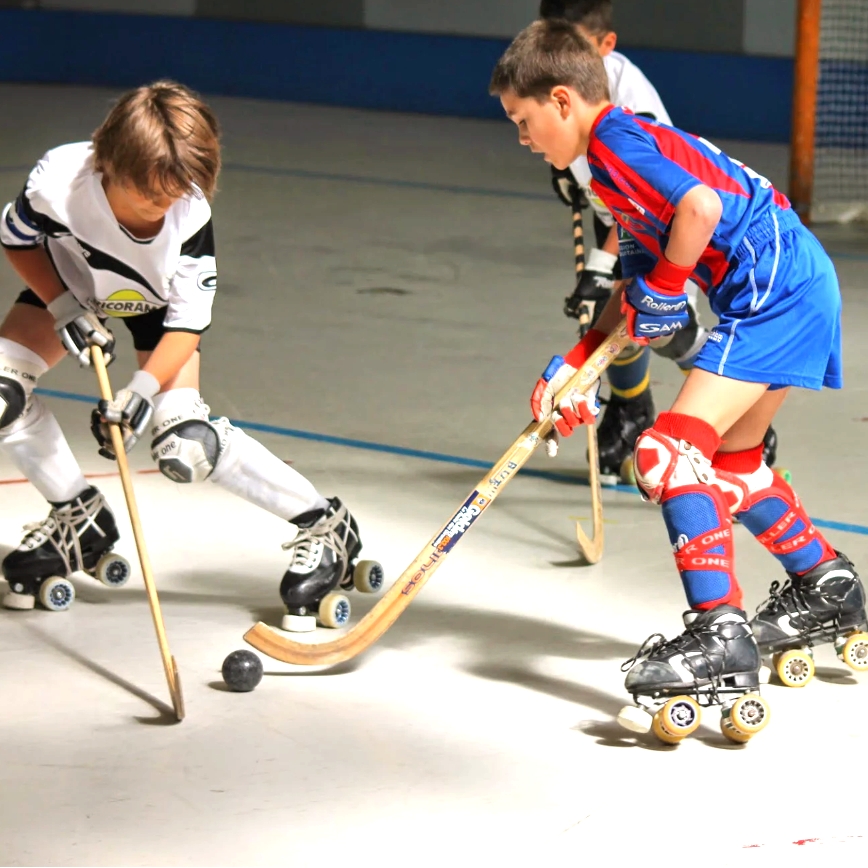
120 228
630 408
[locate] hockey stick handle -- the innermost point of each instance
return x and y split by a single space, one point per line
169 665
410 582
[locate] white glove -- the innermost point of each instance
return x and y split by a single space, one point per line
79 329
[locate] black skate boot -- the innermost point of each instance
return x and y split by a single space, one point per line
824 605
622 423
77 535
324 559
715 661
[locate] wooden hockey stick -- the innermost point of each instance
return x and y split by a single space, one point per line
169 665
590 549
387 610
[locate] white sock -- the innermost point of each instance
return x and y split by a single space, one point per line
248 469
36 446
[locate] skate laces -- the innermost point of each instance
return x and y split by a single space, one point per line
309 543
63 528
789 599
655 642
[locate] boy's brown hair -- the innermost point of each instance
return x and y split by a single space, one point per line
160 138
594 15
547 54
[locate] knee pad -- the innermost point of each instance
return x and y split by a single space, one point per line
186 444
20 369
665 465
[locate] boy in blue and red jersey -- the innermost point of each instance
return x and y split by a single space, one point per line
687 211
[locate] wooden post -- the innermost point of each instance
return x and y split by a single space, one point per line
806 74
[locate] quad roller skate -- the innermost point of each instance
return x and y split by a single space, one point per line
77 535
715 661
324 563
825 605
622 423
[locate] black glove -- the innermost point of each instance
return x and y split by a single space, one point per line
79 329
568 191
593 290
131 408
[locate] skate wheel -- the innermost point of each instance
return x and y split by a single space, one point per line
663 734
784 474
731 732
21 602
368 577
628 471
678 718
113 570
749 714
635 719
855 652
334 610
765 675
795 667
298 623
56 594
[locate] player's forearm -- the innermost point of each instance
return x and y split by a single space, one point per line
611 315
35 269
696 218
170 355
612 244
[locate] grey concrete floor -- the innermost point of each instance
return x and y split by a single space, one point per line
390 287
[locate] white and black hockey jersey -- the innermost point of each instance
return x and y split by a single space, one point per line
628 88
63 207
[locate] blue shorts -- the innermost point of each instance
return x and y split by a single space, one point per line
779 308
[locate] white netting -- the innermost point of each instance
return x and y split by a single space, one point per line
841 144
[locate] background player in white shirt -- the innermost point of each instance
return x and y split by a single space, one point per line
630 408
120 227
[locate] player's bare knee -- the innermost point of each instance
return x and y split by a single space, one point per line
665 464
186 444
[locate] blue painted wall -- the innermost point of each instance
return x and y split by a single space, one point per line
716 95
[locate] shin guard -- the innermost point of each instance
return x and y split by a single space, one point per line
774 514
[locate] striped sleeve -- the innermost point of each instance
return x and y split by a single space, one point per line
23 226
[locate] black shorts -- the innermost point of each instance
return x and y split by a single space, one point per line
146 328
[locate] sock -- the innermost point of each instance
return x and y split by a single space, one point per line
699 523
629 377
34 442
774 514
249 470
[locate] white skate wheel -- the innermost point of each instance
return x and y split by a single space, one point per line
368 577
298 623
635 719
334 610
22 602
56 594
765 675
113 570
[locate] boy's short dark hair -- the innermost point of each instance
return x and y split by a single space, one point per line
594 15
547 54
160 138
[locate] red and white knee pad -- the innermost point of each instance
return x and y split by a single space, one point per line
665 462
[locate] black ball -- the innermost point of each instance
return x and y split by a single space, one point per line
242 671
